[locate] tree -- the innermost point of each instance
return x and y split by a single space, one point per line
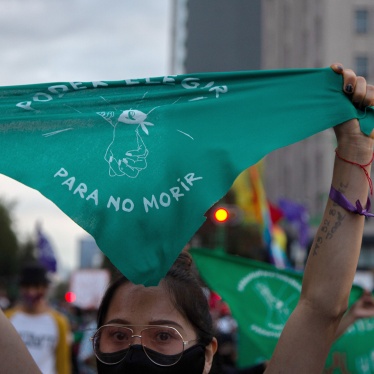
9 246
9 251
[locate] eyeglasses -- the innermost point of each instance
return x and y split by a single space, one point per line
111 343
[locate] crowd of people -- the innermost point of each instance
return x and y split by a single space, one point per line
68 348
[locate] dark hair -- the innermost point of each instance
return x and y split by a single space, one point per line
33 274
183 285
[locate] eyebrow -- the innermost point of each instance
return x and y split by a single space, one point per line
118 321
165 322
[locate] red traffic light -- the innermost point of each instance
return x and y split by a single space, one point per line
221 215
70 297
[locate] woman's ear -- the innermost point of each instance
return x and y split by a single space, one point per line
210 350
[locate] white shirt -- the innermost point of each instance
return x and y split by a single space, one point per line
40 335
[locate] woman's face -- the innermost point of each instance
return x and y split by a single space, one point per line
138 305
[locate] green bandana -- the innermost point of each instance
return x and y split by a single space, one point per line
138 162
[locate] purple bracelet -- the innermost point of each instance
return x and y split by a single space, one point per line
341 200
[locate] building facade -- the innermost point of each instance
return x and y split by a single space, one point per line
313 33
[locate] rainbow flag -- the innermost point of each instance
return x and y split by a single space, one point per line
250 197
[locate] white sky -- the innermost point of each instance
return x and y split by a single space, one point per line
75 40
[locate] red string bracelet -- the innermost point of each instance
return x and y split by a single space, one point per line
362 166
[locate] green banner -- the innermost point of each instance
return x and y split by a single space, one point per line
138 162
262 297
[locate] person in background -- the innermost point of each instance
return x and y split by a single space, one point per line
86 356
45 332
362 308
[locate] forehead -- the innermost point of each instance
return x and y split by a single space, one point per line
139 305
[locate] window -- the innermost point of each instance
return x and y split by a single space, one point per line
362 66
362 21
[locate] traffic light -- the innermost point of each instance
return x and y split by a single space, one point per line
226 214
70 297
221 215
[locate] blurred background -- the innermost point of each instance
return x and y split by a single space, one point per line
272 210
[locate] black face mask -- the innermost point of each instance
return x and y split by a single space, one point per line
137 362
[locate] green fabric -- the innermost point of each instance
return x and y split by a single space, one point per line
262 297
138 162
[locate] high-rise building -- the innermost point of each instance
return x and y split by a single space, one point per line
90 255
211 35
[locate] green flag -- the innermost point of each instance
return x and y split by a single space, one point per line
138 162
262 297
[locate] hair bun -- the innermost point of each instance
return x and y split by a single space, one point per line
185 260
182 266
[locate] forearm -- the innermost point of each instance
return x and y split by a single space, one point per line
329 273
334 255
15 356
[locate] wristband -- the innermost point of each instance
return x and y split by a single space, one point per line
338 198
362 166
